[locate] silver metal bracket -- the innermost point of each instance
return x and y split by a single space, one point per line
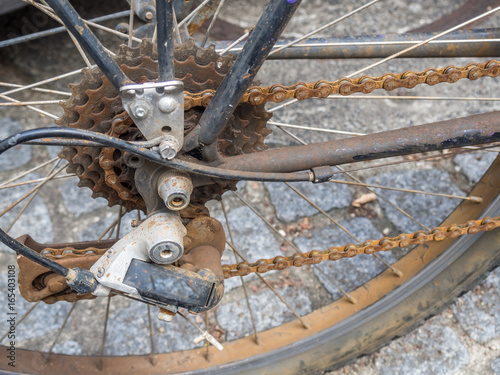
157 109
159 238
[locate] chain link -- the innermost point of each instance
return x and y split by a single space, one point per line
348 86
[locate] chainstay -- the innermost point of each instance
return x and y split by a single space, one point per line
316 256
347 86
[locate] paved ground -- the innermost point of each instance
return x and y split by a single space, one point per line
463 339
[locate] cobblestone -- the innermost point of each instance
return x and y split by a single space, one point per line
268 311
290 206
495 366
441 346
478 312
480 160
432 349
429 210
348 272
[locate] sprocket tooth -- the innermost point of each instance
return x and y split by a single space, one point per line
146 47
205 56
182 52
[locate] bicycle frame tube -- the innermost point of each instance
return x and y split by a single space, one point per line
165 36
465 131
240 76
460 43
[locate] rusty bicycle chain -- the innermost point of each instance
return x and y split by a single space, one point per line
346 86
322 89
332 253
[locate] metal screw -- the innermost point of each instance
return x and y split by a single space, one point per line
167 104
139 109
100 272
149 15
166 317
168 148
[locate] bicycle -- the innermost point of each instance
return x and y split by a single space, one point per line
351 301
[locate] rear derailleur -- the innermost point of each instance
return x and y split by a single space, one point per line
172 259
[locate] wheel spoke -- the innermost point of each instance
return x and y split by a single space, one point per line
235 43
286 125
283 238
49 12
152 356
344 229
100 363
256 334
29 171
214 18
304 323
119 222
110 227
25 315
44 113
131 23
382 43
470 198
56 30
402 52
48 80
36 188
34 181
208 355
33 196
397 54
48 91
49 353
367 188
194 12
23 104
395 97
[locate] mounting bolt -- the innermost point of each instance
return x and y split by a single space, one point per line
166 315
165 252
149 15
167 104
100 272
168 148
139 109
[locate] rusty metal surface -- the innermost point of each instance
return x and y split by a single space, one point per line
203 248
381 46
37 283
364 84
367 247
96 105
483 128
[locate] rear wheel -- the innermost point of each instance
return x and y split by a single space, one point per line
342 323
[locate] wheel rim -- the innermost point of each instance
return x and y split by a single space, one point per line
136 362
